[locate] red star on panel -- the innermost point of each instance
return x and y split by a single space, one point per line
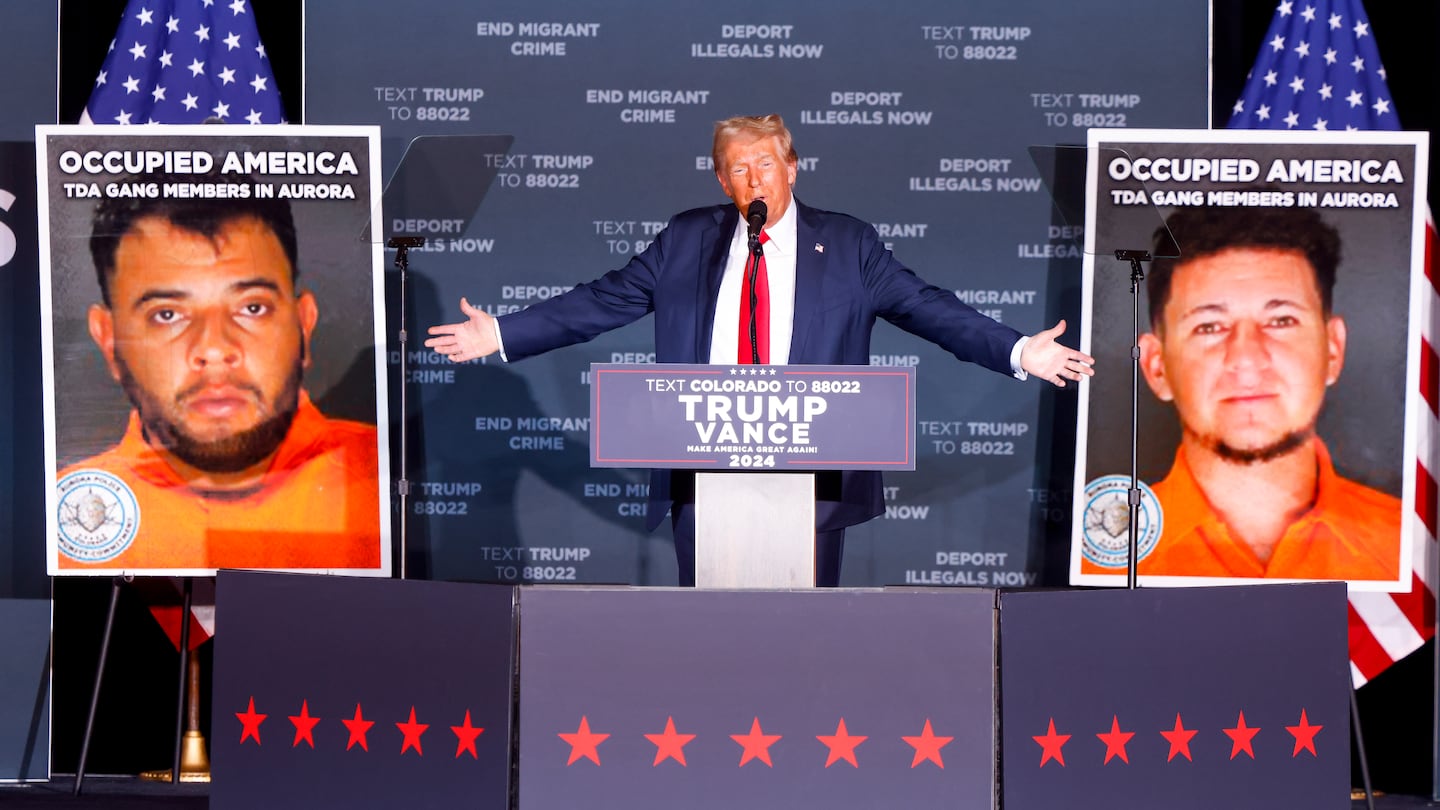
1115 740
250 722
583 743
1053 745
1241 737
842 745
669 745
1304 735
756 743
1179 738
304 725
358 727
927 746
412 731
467 734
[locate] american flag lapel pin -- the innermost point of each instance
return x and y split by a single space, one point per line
819 248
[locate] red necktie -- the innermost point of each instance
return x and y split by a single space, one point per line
762 309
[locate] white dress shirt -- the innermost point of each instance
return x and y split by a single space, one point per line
779 269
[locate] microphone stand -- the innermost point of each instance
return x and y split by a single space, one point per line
402 246
1137 275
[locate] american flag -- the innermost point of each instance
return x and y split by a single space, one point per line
1320 69
185 62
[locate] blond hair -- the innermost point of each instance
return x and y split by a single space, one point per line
753 127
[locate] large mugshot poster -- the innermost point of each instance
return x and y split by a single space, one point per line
1278 357
212 307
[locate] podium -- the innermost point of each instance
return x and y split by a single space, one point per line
755 435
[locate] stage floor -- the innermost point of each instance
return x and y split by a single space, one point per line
105 793
128 793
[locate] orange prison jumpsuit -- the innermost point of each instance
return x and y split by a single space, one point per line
1352 532
318 507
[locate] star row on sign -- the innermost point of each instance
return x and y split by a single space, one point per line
755 744
585 743
1242 737
359 729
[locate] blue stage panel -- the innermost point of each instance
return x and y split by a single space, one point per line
1176 698
360 693
717 699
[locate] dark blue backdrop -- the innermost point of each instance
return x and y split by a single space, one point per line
917 120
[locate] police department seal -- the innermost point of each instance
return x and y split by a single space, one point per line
1106 532
97 518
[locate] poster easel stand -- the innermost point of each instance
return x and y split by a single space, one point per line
187 696
99 678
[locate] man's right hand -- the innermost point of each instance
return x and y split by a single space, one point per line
468 340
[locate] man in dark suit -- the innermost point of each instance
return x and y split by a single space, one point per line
829 277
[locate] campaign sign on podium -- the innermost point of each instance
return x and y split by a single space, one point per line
752 417
755 431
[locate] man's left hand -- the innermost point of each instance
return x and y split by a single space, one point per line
1047 359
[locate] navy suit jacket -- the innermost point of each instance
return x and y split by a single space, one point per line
845 278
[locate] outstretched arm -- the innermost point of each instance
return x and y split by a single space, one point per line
470 339
1049 360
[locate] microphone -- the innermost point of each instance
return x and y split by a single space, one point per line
756 215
